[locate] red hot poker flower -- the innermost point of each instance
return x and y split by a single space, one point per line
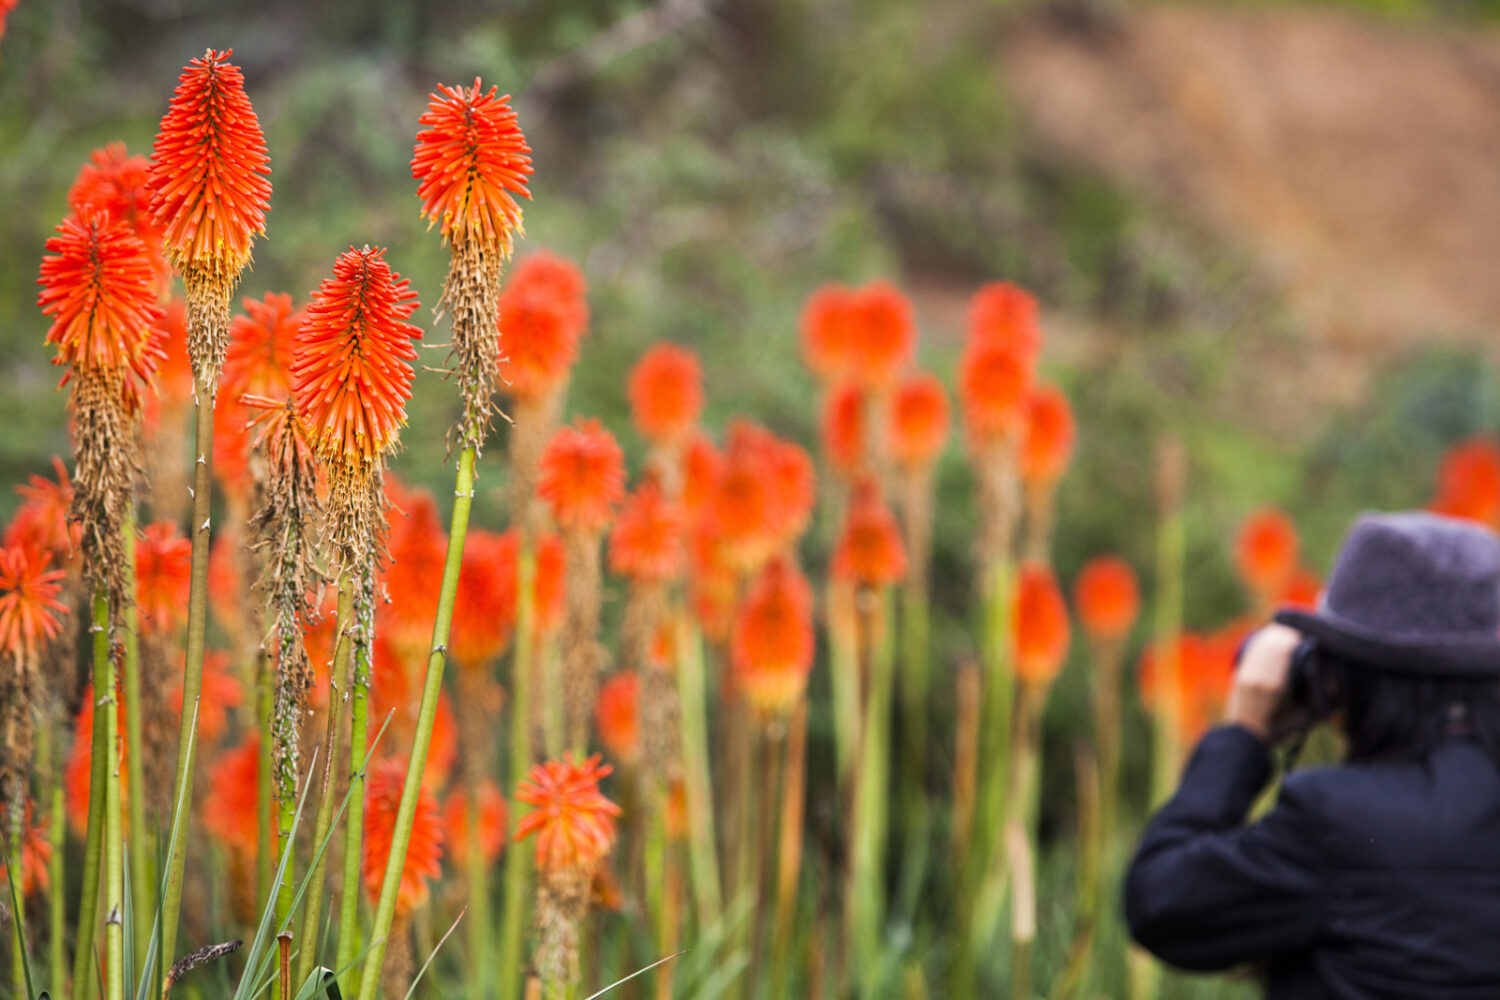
573 822
170 334
261 344
582 476
1107 597
163 563
1047 440
1040 626
918 420
646 542
1468 482
351 367
424 851
229 810
844 437
116 183
666 393
543 314
618 716
1005 314
772 640
470 162
1266 551
883 335
827 330
485 611
29 605
869 548
42 521
993 380
100 291
209 192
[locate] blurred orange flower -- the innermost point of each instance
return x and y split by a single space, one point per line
1205 670
573 822
221 693
882 335
230 807
1301 591
1004 314
1040 624
76 771
582 476
493 822
259 359
424 851
869 548
666 393
209 192
701 465
543 314
1048 435
484 612
550 588
1468 482
471 162
170 333
618 716
163 563
826 330
993 381
42 522
1107 597
1266 551
844 438
646 543
918 420
36 849
772 644
417 545
29 608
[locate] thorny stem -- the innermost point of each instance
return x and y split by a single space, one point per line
88 907
140 863
385 909
114 858
192 675
364 622
313 910
517 861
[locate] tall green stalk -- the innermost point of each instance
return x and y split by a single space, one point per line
10 846
312 913
88 907
692 690
1020 834
57 838
385 909
359 759
192 674
114 839
844 677
265 853
141 880
518 861
865 912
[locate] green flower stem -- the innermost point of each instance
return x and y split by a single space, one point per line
1020 833
517 859
865 913
312 913
481 921
1171 545
192 674
789 853
845 679
385 909
88 907
57 838
141 880
702 842
359 760
12 864
114 841
264 797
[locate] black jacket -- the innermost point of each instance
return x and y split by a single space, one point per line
1364 881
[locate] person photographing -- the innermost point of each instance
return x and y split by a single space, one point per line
1372 878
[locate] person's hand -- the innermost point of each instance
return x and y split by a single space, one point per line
1257 700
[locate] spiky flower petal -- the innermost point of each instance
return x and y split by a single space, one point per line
573 821
582 477
29 605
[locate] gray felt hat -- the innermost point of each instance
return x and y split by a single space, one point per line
1414 592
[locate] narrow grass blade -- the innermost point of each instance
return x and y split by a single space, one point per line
437 948
617 982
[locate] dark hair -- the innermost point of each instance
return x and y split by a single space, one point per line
1394 716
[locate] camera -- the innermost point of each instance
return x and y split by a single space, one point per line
1310 681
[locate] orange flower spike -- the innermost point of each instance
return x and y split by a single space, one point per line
993 381
43 521
827 331
550 585
163 563
229 809
793 491
666 393
1040 626
117 184
418 545
493 820
1266 551
1107 596
424 851
869 548
772 641
617 715
1468 482
99 289
209 192
471 162
221 694
351 366
574 823
1301 591
261 343
543 312
918 420
1047 441
484 612
883 335
582 476
701 465
646 543
170 333
30 611
1004 314
844 436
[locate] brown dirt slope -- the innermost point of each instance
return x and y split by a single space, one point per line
1358 160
